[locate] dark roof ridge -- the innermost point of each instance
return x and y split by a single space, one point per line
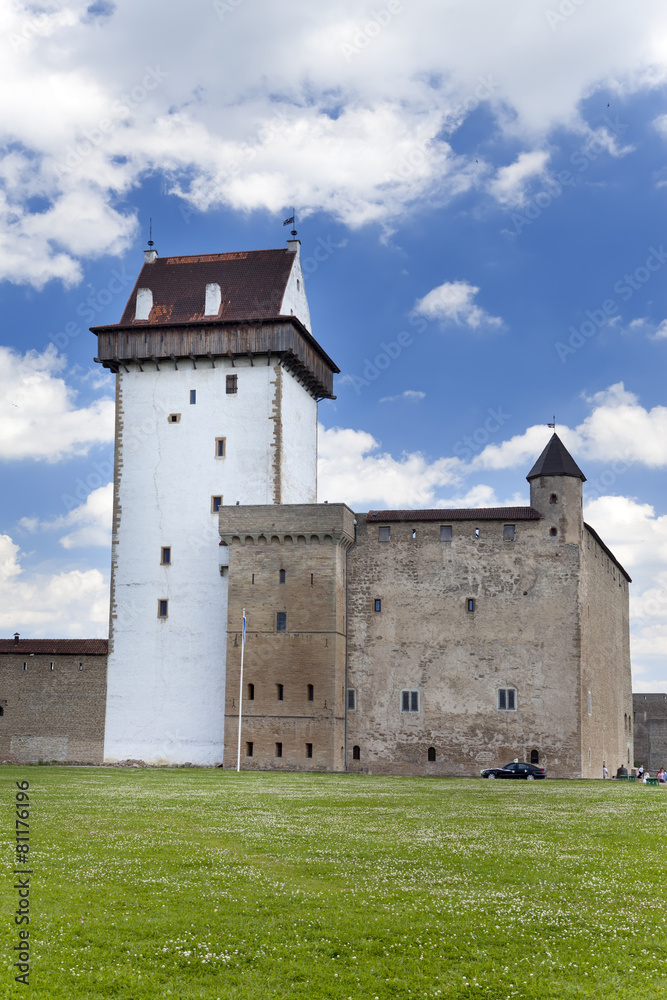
555 460
456 514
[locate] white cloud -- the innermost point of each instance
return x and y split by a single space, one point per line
361 136
452 302
68 604
352 470
91 521
412 395
638 538
510 185
618 430
38 414
661 332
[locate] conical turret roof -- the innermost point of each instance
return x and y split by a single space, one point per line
556 460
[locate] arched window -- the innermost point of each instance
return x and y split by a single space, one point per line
534 757
311 692
553 532
553 498
431 753
356 753
282 576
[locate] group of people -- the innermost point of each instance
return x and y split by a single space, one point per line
643 773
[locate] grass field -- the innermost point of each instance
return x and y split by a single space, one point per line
194 883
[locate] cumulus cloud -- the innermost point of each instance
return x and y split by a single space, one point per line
510 185
638 538
68 604
453 303
87 524
353 470
412 395
39 418
617 430
357 122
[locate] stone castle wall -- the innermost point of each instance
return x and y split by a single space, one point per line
523 634
650 730
298 674
52 714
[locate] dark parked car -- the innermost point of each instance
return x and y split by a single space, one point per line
515 770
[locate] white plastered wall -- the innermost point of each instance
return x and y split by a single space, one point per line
166 677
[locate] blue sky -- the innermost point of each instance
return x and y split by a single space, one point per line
480 193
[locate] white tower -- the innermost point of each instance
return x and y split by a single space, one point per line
217 383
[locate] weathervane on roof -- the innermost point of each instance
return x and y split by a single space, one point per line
150 233
553 425
291 221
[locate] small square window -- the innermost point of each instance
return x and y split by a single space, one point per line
232 384
509 533
378 604
351 699
471 604
249 747
409 701
162 609
309 749
165 558
173 418
279 749
384 533
193 396
220 447
216 504
446 532
281 621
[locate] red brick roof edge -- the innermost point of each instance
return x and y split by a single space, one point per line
457 514
56 647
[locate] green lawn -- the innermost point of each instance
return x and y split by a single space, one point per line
204 883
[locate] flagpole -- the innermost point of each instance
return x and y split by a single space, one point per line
238 753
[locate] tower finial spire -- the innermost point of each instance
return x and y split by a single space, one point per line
150 233
291 221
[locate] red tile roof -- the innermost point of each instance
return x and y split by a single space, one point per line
464 514
252 284
56 647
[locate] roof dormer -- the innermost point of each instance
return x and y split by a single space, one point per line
213 299
144 303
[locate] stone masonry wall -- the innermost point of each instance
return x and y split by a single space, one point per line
650 730
308 543
52 714
606 676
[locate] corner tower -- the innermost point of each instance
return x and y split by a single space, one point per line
556 492
217 382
